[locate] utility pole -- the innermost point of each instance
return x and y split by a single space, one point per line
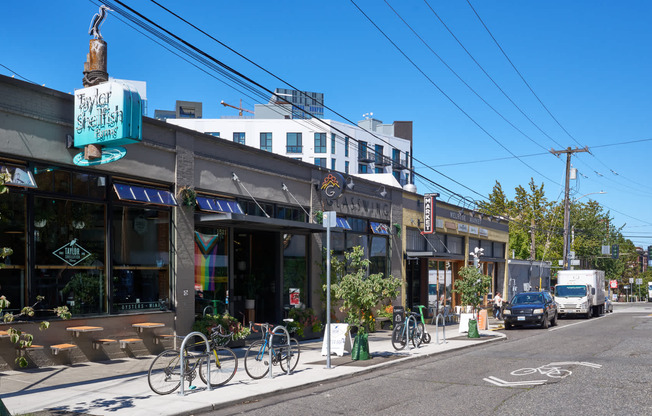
568 152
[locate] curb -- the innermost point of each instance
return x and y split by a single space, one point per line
366 370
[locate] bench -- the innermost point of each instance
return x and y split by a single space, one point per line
77 330
4 334
141 326
97 344
160 338
125 342
61 347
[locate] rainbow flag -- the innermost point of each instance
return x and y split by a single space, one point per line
205 260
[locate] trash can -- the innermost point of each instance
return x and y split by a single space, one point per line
399 315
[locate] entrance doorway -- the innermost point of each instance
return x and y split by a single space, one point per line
256 276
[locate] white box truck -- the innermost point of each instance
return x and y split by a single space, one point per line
580 292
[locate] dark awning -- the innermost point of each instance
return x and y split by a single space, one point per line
230 219
434 254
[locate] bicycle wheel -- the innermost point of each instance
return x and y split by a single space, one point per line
164 374
224 364
257 359
416 332
524 371
398 337
295 351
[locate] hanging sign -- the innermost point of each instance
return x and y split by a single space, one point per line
72 253
108 114
429 213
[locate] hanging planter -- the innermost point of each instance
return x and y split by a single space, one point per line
397 229
188 196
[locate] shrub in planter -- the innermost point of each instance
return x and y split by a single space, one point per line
228 322
305 319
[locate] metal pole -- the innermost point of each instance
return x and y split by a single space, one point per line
328 294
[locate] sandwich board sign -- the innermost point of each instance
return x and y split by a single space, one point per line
341 340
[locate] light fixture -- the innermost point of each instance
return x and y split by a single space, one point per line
235 177
284 187
40 223
383 193
78 225
349 183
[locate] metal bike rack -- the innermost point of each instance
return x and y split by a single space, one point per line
208 307
182 360
443 328
271 347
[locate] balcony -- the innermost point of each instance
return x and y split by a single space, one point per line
366 157
399 164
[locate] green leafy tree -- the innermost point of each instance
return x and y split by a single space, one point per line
20 338
472 287
358 292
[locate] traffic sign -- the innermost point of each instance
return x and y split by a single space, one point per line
631 280
639 281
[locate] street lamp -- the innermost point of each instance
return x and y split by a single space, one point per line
567 226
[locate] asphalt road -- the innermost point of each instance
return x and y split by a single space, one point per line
600 366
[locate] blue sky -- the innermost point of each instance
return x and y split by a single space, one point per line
588 62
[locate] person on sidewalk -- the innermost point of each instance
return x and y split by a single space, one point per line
498 305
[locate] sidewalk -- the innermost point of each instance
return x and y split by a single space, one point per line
120 387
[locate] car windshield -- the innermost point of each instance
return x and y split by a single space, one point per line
570 291
522 298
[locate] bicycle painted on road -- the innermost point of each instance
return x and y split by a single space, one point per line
553 370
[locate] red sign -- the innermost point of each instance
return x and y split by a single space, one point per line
613 284
294 296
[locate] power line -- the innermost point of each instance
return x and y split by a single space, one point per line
444 94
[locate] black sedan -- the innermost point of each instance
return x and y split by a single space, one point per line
531 308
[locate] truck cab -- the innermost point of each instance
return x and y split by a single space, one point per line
574 299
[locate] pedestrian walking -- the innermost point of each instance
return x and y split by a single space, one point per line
498 305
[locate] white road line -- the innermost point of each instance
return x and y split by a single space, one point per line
584 363
576 323
503 383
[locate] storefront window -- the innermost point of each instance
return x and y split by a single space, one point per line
378 255
211 270
295 271
12 235
69 243
141 241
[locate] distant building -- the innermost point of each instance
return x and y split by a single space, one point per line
369 148
182 109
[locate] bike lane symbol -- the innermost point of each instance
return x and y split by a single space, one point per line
552 370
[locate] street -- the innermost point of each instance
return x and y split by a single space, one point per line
600 366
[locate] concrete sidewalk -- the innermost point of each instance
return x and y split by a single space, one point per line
120 387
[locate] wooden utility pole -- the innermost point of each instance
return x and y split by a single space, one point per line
568 152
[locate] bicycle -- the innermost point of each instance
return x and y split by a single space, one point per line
256 359
408 330
547 370
425 338
164 375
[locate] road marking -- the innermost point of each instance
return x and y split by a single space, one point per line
503 383
577 323
584 363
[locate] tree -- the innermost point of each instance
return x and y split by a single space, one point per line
472 287
359 293
20 338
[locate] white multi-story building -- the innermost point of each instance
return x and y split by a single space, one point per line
371 147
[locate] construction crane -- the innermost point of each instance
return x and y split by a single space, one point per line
237 108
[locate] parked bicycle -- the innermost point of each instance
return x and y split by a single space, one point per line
425 338
164 374
410 330
257 356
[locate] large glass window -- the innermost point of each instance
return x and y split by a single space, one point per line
332 143
211 270
12 236
320 161
140 258
320 142
378 255
69 244
266 141
346 146
295 269
294 143
346 166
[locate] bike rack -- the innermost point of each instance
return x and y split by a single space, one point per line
443 328
182 360
208 307
271 348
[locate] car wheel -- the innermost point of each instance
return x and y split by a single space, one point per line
554 320
508 326
545 322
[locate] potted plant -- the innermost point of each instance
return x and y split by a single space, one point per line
359 293
188 196
228 322
306 323
472 287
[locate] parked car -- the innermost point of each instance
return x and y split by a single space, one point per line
531 308
608 306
